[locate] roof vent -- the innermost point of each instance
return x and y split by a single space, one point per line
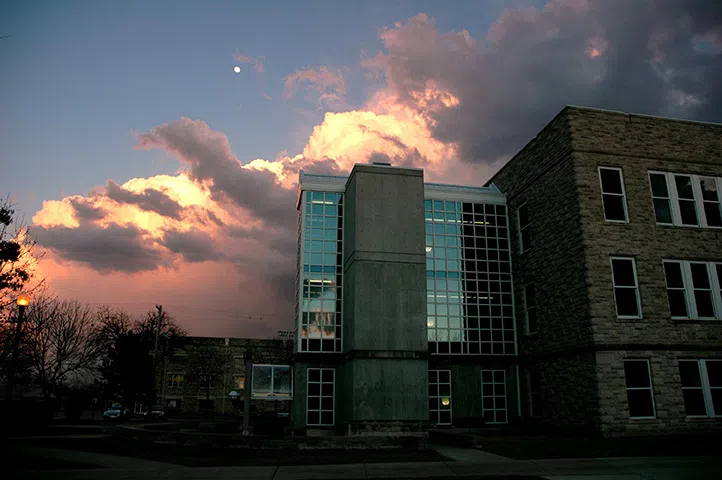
383 164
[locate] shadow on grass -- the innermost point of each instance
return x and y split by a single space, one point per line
201 456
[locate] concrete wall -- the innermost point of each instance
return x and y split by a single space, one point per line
385 296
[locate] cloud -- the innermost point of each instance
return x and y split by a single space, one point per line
193 246
257 62
151 200
329 83
630 56
114 248
85 212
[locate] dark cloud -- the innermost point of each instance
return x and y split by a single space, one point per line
192 246
113 248
84 212
632 56
151 200
209 156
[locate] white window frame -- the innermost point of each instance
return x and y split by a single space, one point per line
527 308
438 398
696 192
321 396
623 194
650 388
705 387
715 285
523 248
636 288
271 395
494 385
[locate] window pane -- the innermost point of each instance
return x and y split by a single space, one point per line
703 299
525 239
684 186
714 374
689 373
659 185
261 380
636 373
694 402
677 303
523 215
312 418
673 274
611 180
662 210
626 299
700 279
282 381
623 271
717 401
712 214
709 189
614 207
688 212
640 403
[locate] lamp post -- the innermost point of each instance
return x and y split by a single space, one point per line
23 302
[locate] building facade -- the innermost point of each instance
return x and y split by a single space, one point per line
617 264
405 308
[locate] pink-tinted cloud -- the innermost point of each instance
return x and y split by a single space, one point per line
328 83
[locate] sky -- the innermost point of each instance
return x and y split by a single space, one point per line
150 172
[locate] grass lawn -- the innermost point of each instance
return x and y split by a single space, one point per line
195 456
524 447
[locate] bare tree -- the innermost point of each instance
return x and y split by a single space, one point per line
61 342
206 365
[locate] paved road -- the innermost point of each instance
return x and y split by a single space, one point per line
464 463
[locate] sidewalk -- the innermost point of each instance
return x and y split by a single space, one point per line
467 463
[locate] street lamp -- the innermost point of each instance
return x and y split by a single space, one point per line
23 302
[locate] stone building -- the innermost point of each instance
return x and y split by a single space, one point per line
272 379
617 264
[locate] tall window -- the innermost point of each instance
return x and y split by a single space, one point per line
639 389
320 397
613 196
686 200
530 308
701 387
321 281
524 228
468 279
440 396
493 396
175 380
535 393
626 290
694 289
271 381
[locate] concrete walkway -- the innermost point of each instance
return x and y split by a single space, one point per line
464 463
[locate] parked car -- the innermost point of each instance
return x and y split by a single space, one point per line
115 412
156 411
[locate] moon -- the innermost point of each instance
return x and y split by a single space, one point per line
237 69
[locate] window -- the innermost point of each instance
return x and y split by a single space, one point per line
626 291
271 381
613 197
239 382
175 380
493 396
320 397
640 397
440 396
701 387
694 289
524 228
535 393
530 308
686 200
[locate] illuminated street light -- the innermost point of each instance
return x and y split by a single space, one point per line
445 401
23 301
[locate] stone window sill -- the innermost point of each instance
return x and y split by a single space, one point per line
703 419
696 321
